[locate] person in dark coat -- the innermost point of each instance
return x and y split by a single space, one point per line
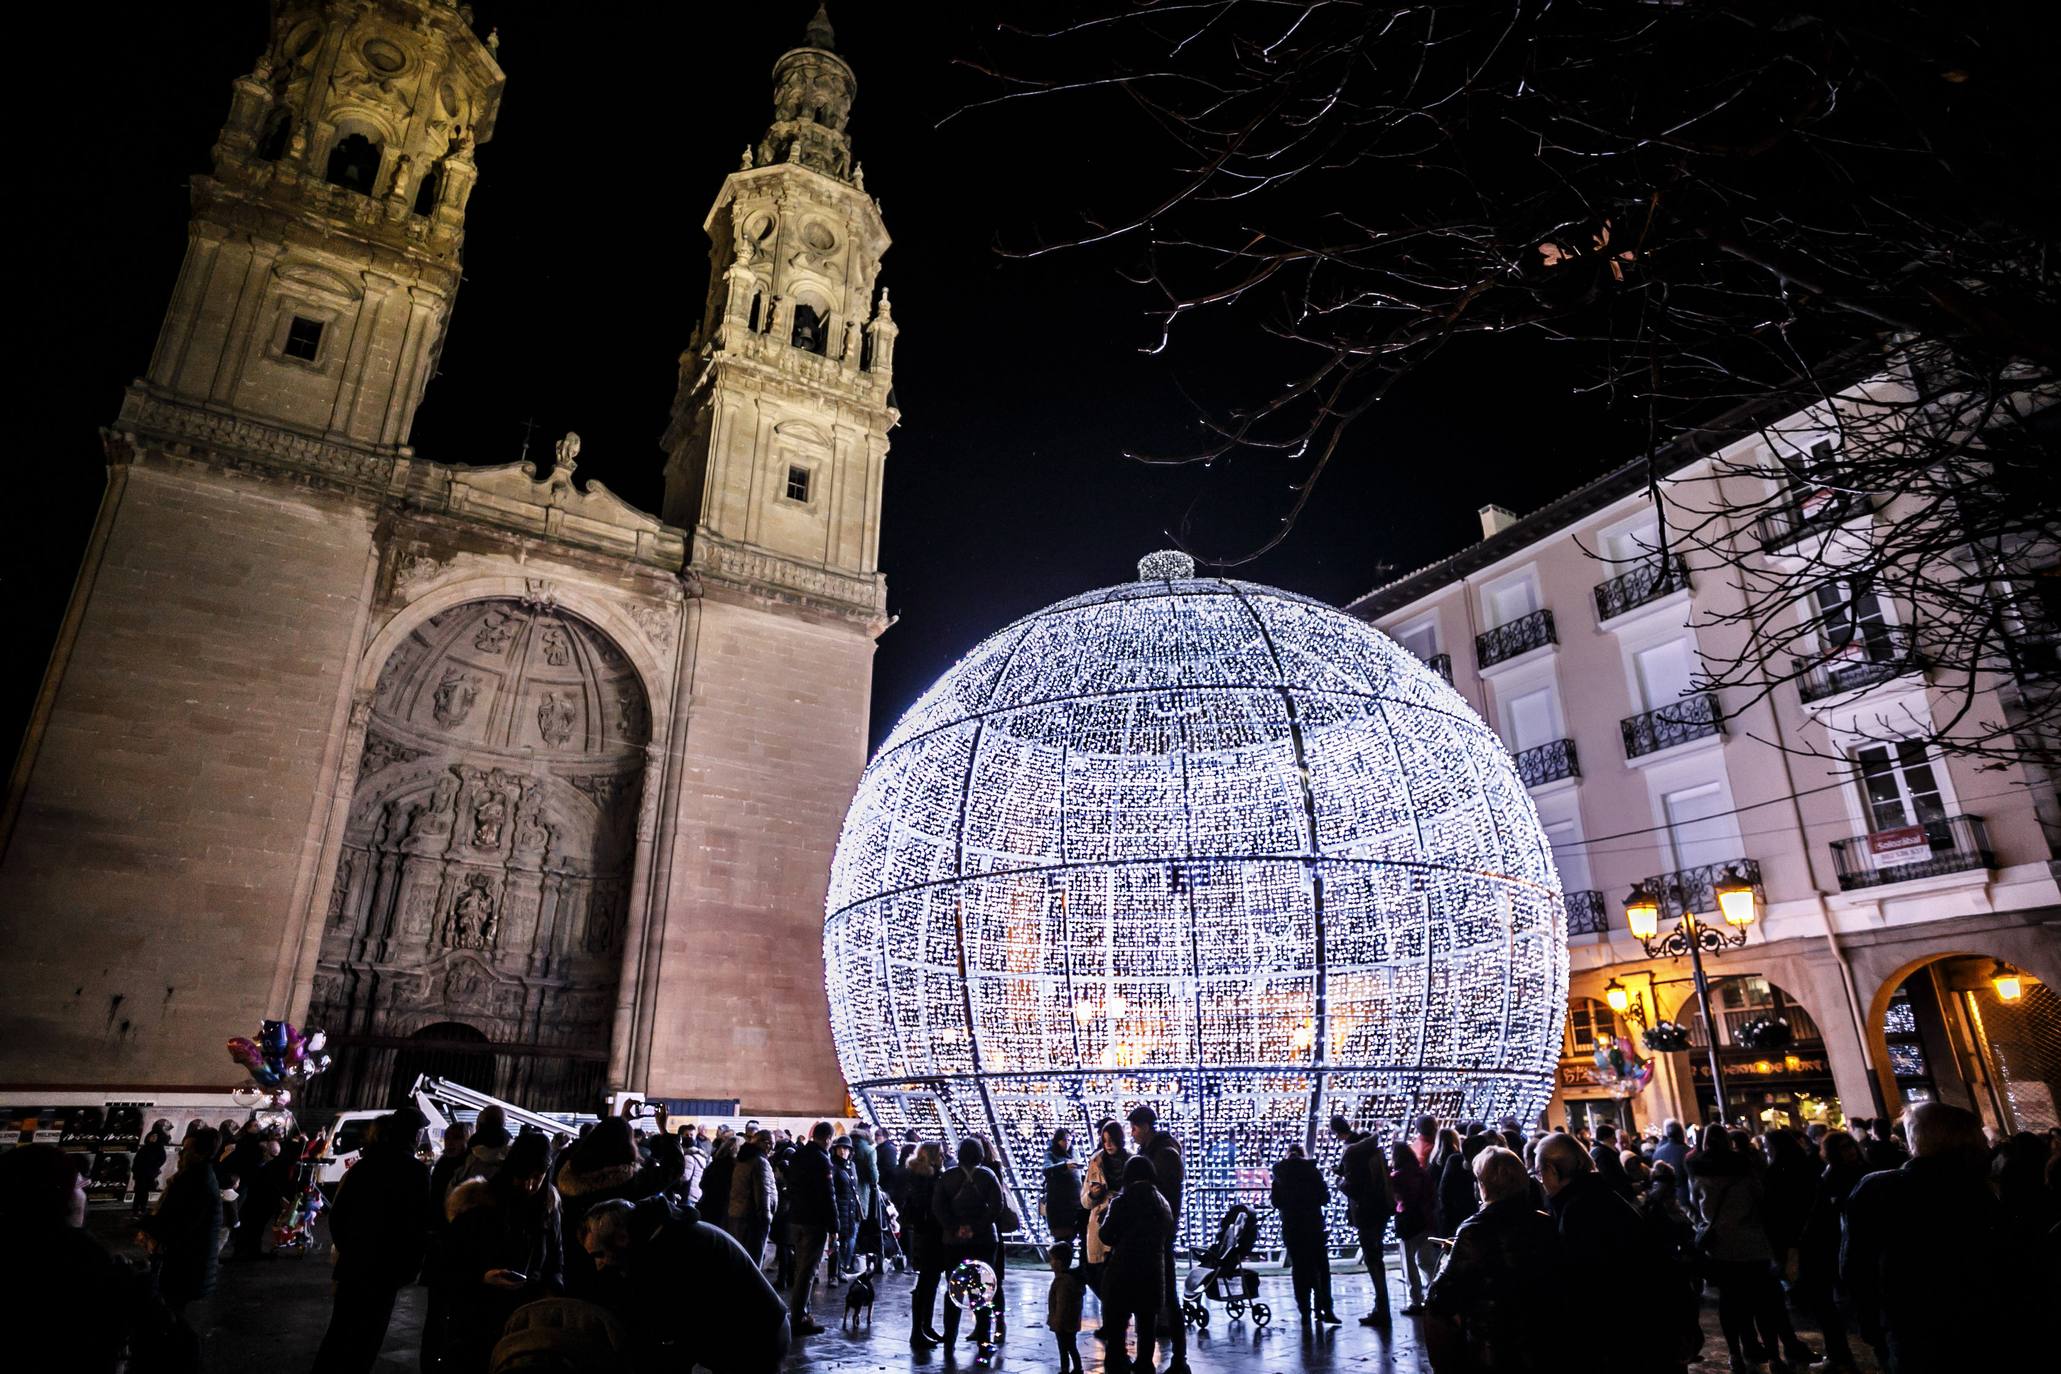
1817 1260
1299 1196
50 1267
1363 1177
436 1309
1168 1171
1492 1307
602 1164
689 1294
1601 1233
376 1226
184 1234
506 1247
926 1240
844 1183
147 1167
1926 1261
1137 1230
967 1203
1733 1239
1413 1204
1062 1203
1609 1163
812 1211
719 1180
1456 1198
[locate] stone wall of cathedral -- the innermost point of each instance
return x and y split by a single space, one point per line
776 742
164 834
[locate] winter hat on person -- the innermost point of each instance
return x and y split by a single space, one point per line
610 1143
529 1156
1140 1170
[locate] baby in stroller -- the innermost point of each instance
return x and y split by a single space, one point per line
1220 1274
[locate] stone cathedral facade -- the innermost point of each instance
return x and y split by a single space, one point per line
479 768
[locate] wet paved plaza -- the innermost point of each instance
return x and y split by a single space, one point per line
270 1315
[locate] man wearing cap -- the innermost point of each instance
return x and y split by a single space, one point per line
1165 1153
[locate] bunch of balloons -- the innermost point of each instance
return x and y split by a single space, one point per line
279 1058
1621 1070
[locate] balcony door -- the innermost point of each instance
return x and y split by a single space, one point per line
1512 601
1666 673
1701 827
1898 786
1532 719
1851 622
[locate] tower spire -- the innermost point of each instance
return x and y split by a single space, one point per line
819 34
813 90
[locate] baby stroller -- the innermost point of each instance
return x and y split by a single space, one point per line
1220 1274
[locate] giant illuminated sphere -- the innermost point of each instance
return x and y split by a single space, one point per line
1201 845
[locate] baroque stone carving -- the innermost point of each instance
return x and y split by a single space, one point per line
600 788
471 922
495 630
339 890
557 648
656 623
531 833
540 593
631 711
487 819
555 715
454 697
415 575
435 818
465 983
381 752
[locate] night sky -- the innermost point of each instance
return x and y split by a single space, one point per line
1021 381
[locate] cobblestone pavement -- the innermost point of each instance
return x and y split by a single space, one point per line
270 1315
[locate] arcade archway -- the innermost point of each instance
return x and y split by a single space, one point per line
1958 1029
1777 1071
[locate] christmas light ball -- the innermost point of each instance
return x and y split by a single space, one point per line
1199 845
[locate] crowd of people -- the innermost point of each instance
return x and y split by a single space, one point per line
1928 1241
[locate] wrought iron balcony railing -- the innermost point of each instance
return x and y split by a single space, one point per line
1807 511
1947 844
1548 763
1650 581
1678 722
1875 654
1586 913
1520 636
1693 889
1442 664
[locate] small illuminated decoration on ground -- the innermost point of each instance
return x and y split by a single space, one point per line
1201 845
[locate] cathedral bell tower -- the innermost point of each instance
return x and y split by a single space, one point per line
778 438
323 251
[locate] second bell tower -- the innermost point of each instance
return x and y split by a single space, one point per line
778 439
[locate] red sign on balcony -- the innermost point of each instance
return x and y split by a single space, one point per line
1907 844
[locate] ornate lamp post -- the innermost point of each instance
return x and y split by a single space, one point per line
1694 937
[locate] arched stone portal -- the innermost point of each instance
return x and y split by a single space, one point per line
486 859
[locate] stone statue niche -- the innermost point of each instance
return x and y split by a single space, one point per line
484 879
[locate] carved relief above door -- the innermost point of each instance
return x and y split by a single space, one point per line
485 869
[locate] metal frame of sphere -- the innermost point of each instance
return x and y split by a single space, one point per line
1200 845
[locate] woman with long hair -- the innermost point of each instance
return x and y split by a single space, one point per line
1413 1217
1099 1184
925 1239
1732 1235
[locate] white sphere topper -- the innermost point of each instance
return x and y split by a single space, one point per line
1204 846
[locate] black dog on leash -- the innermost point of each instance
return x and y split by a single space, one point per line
858 1298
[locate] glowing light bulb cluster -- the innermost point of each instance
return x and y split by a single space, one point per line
1201 845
